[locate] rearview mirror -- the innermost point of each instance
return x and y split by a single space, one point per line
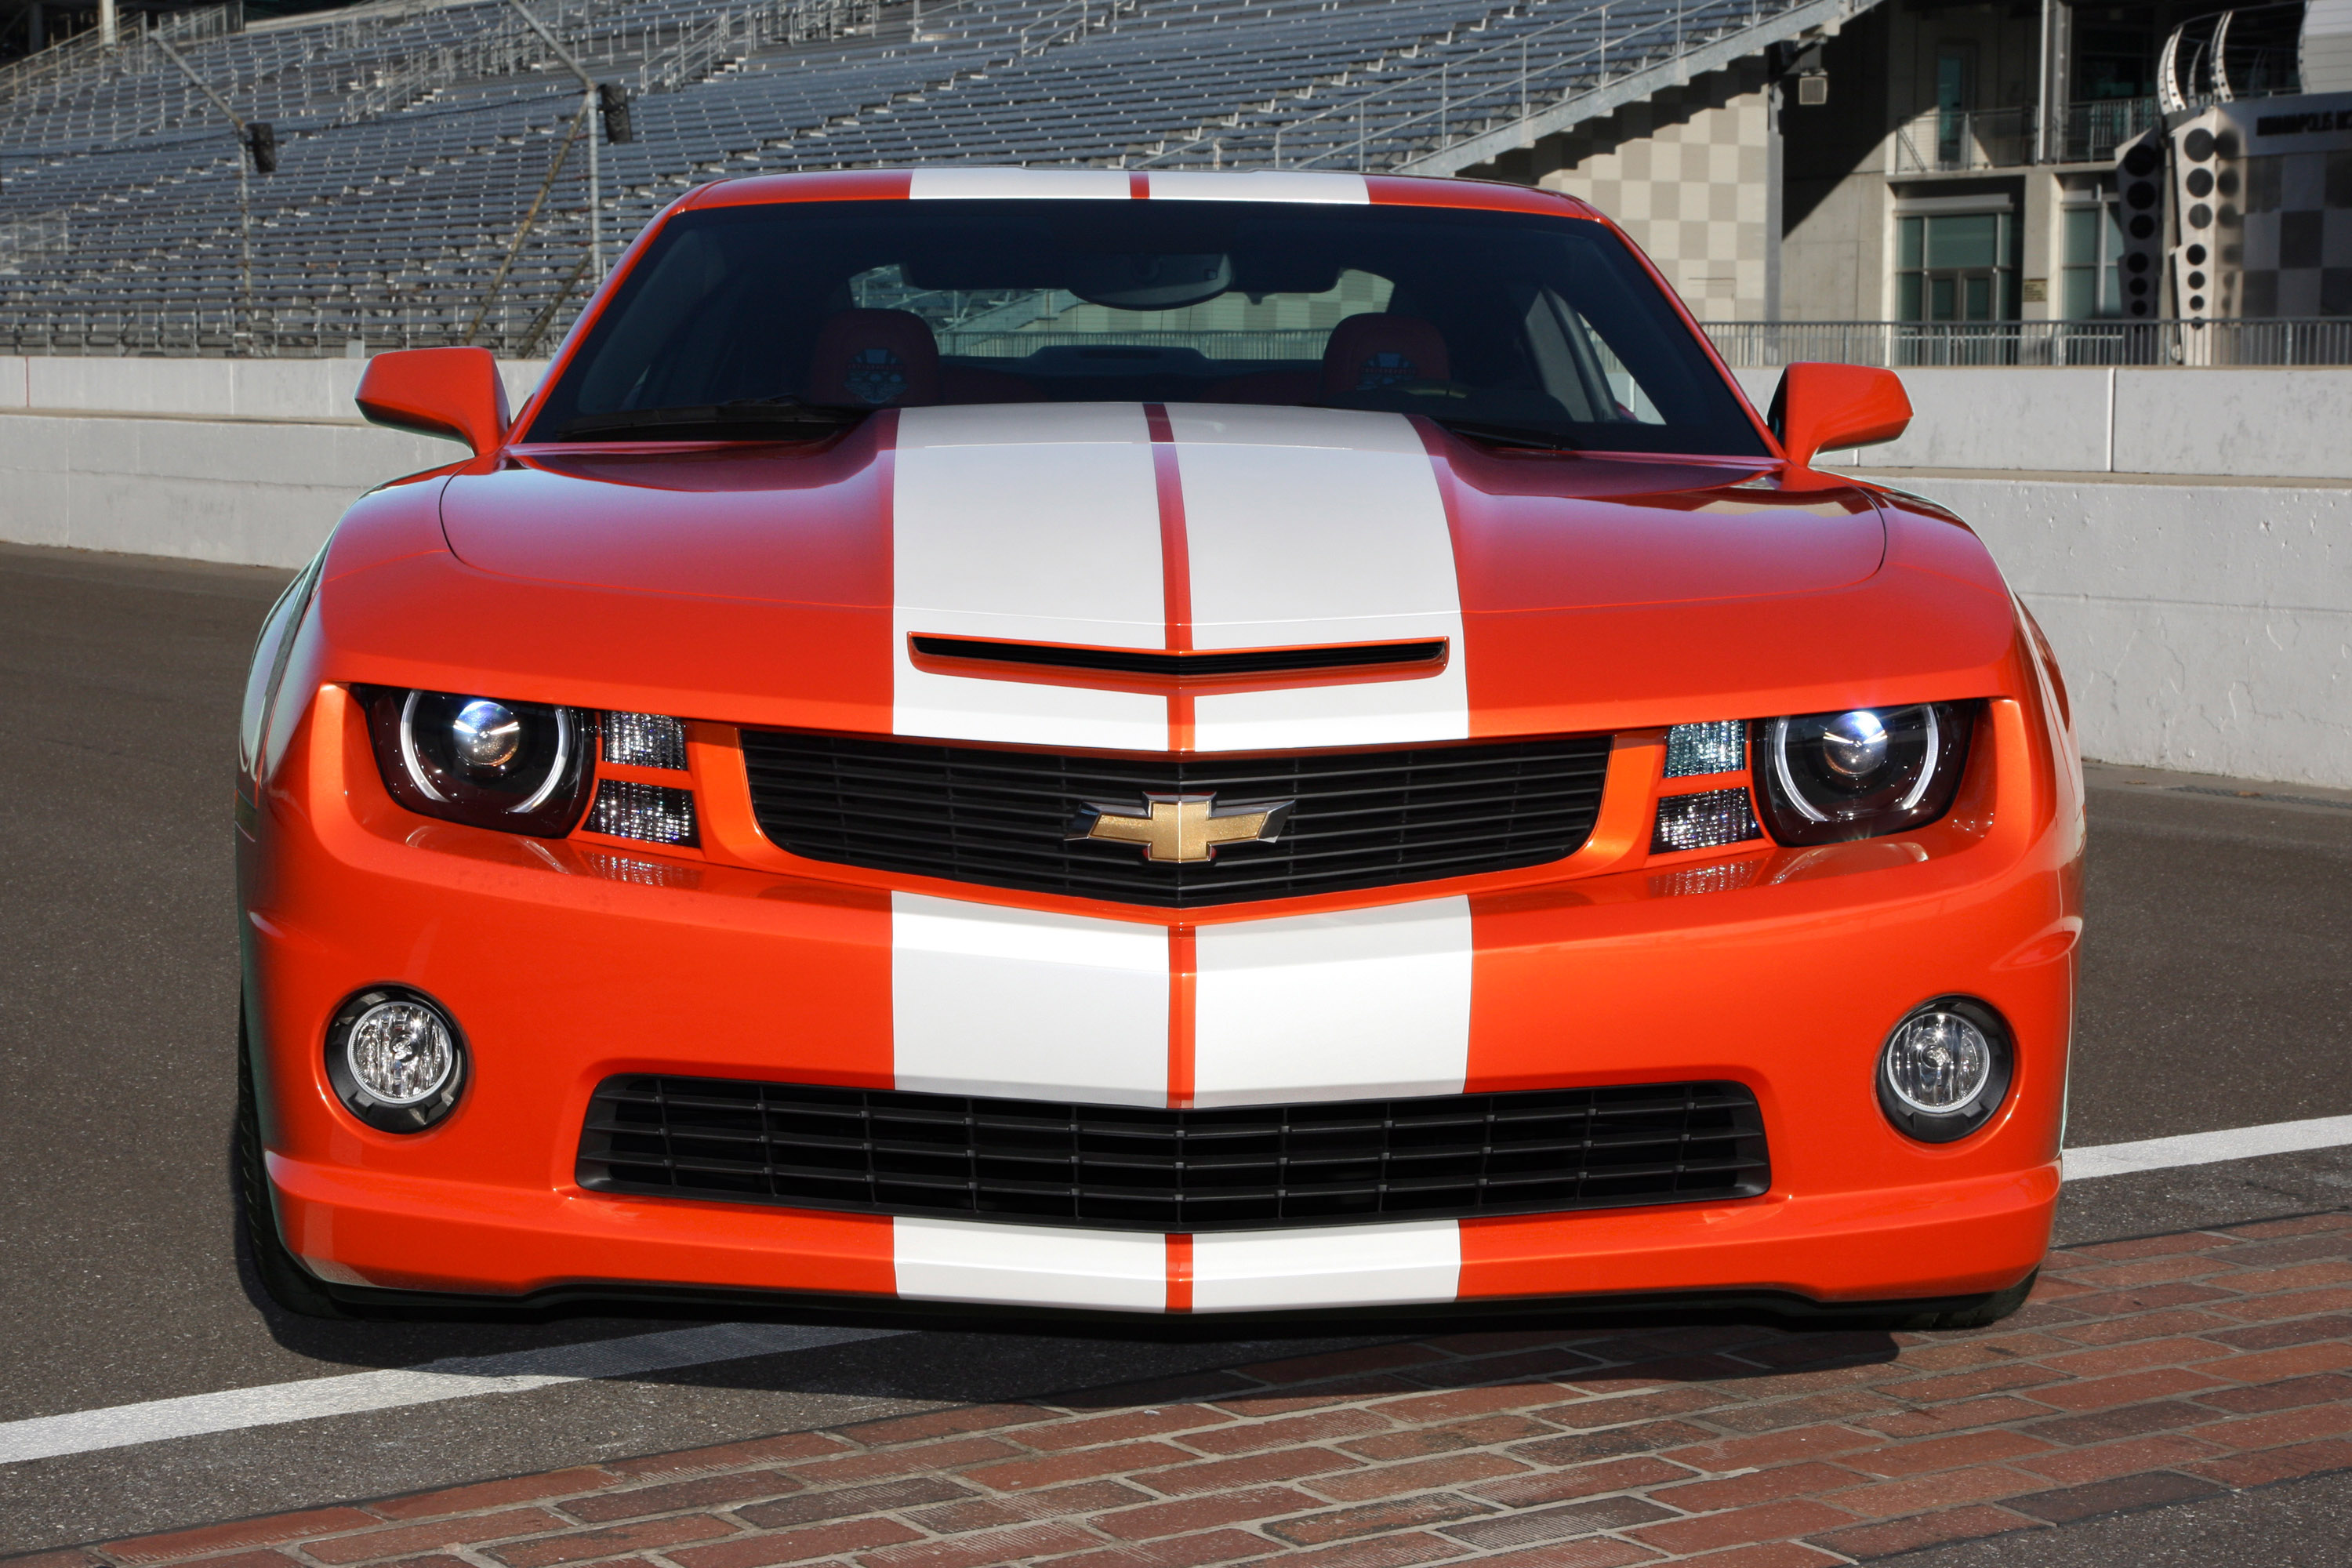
450 393
1820 408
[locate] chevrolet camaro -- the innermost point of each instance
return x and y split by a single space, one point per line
1092 741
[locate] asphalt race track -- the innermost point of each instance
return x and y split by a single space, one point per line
2217 995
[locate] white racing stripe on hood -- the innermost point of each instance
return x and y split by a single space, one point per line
1032 185
1260 185
1035 523
1361 1004
1003 1002
1308 525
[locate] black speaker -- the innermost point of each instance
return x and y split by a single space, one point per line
2139 191
261 141
613 103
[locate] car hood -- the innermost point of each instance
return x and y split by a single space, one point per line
1061 514
783 583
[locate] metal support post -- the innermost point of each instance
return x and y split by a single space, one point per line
588 86
244 187
2042 126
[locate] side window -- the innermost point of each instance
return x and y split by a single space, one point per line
1577 369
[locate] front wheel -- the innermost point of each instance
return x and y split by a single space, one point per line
1992 1309
283 1277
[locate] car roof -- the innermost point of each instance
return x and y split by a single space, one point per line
967 183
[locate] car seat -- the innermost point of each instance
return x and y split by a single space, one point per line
1364 354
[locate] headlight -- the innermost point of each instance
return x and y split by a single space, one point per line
520 767
1826 777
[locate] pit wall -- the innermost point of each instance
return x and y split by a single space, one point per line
242 460
2184 536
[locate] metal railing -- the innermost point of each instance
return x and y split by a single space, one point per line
221 328
1755 346
1943 141
89 50
330 328
1949 141
2252 52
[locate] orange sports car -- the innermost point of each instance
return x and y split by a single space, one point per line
1151 744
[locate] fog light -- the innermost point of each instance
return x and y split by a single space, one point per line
395 1059
1945 1070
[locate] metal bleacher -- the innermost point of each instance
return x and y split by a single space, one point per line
413 136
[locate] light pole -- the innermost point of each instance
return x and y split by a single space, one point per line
588 110
249 145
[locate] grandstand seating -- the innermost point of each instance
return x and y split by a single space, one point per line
413 136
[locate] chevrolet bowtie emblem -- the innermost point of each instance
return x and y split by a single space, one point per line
1183 827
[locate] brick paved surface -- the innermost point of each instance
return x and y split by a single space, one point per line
2143 1372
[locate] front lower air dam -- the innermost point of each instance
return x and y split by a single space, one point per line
397 1058
1945 1070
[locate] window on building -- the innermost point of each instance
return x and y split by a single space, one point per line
1956 95
2114 53
1956 267
2091 279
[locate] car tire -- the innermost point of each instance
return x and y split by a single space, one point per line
1992 1309
283 1278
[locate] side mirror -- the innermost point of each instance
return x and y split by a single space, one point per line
1820 408
452 393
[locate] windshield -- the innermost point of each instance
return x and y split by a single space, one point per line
763 321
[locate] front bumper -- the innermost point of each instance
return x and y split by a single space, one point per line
568 963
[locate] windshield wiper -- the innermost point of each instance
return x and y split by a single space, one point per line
1507 435
714 421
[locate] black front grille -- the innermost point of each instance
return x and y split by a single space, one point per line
1112 1167
1363 819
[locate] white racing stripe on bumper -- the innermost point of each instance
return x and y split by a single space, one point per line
1030 1266
994 1001
1032 523
1330 1265
1354 1005
1319 526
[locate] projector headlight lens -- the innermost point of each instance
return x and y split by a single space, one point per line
1945 1070
520 767
395 1059
1822 778
486 736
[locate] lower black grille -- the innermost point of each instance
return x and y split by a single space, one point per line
1361 819
1112 1167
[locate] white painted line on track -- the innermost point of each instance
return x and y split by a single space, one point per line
460 1377
467 1377
2208 1148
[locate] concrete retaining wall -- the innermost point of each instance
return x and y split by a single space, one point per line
245 460
2203 623
2206 627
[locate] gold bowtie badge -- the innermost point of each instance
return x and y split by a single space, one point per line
1183 827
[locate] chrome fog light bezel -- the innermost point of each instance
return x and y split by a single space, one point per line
385 1115
1947 1126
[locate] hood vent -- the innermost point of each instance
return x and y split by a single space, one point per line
1423 657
